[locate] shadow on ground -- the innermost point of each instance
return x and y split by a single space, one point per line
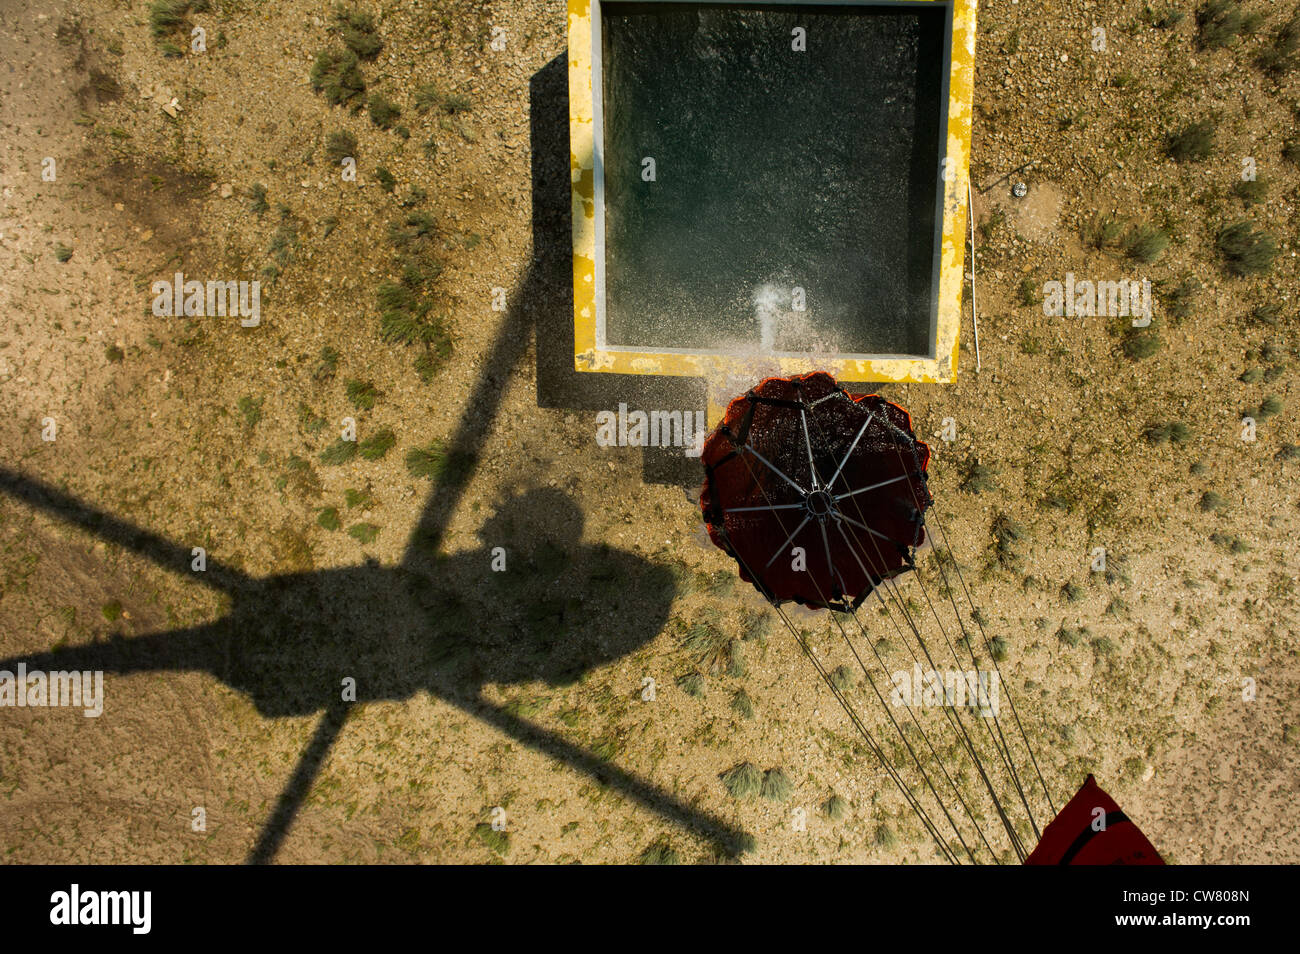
444 626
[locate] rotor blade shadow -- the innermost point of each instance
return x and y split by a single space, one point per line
309 764
168 555
729 840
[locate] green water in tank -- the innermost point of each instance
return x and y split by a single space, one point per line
774 171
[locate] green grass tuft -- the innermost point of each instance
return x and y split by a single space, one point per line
1218 23
327 365
742 704
251 409
1008 537
456 103
1271 406
339 146
1282 54
777 786
692 684
979 479
166 15
362 394
842 678
363 532
835 808
496 841
1249 251
1029 293
340 452
743 780
337 75
660 852
1210 502
437 463
1192 143
1175 432
377 445
360 33
384 113
1145 243
257 199
427 97
1252 191
1141 344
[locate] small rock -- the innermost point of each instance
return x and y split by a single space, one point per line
227 190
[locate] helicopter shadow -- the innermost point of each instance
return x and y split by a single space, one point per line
544 608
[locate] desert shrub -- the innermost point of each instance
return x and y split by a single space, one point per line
660 852
1145 243
1252 191
383 111
1008 538
362 394
1176 432
340 452
1279 56
979 479
337 75
835 808
842 678
340 145
1249 251
743 780
1192 143
742 704
363 532
1210 502
1141 344
777 786
377 445
359 31
1218 23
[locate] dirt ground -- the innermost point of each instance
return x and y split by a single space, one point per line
483 696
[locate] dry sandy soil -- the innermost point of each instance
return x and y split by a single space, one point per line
523 691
